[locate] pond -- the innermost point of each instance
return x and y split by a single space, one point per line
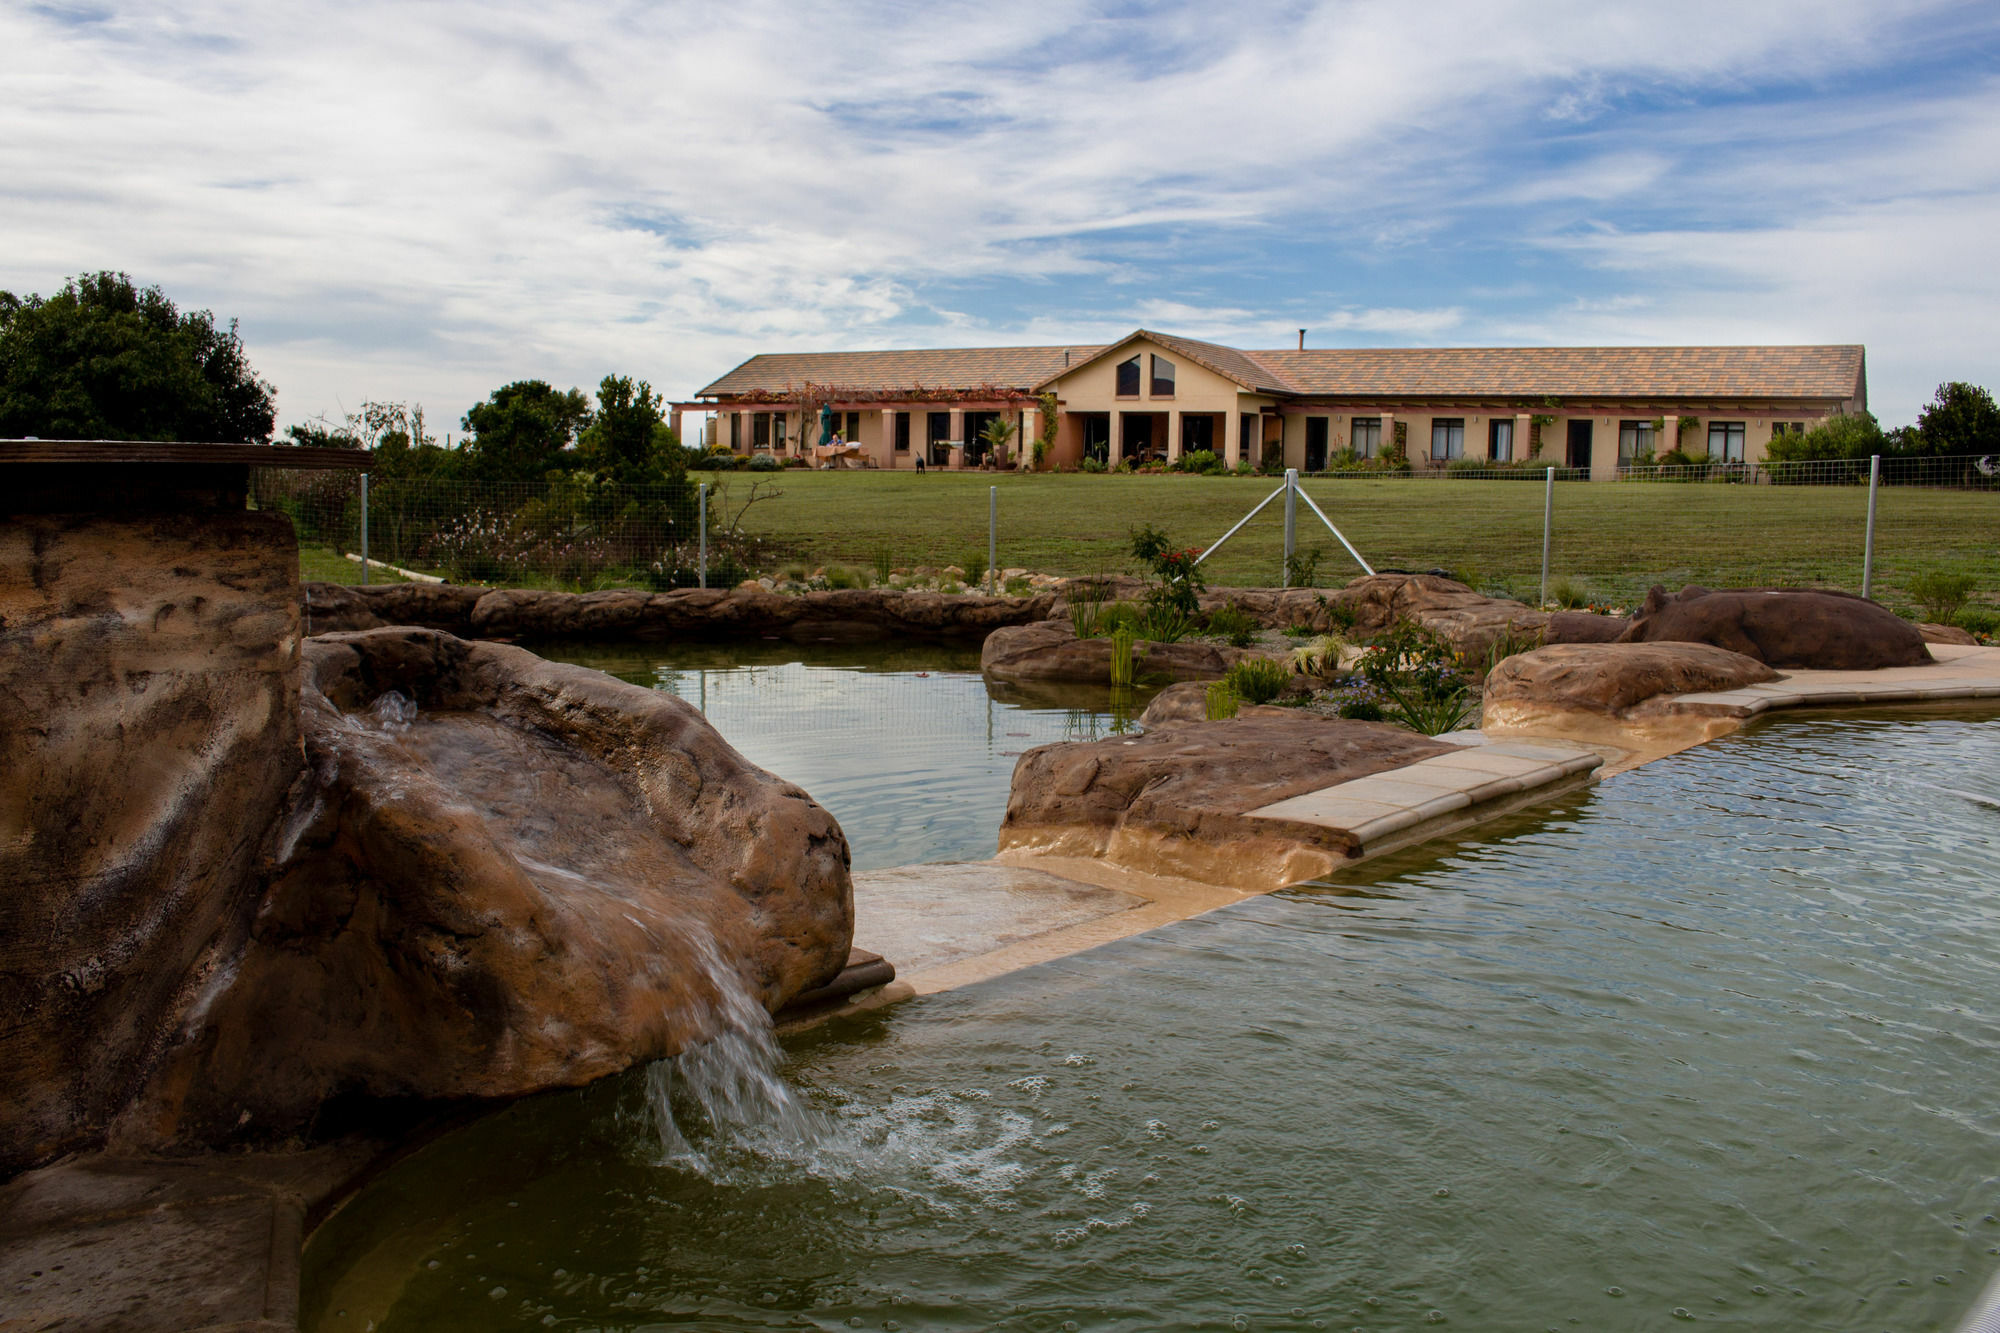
1710 1043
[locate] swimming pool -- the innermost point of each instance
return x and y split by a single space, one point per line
1710 1043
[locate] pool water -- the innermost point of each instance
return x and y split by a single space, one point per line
906 746
1712 1043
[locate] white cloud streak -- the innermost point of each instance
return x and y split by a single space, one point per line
426 201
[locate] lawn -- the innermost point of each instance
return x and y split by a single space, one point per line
1615 539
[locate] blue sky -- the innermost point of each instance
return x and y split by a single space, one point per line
422 202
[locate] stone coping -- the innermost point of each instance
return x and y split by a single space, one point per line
1480 779
1960 671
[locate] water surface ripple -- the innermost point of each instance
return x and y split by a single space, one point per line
1711 1043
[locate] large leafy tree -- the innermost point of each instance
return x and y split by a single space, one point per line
104 359
1961 418
522 430
628 442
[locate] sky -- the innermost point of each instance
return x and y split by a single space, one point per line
420 202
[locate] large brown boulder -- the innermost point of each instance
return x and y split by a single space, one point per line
1813 628
501 875
1175 800
1050 650
149 731
1611 678
634 613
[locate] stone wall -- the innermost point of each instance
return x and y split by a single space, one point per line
149 731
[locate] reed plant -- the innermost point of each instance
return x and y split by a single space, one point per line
1123 657
1222 701
1258 680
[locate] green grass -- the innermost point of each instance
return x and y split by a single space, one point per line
1618 538
322 564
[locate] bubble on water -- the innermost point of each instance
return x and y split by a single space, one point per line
975 1094
1441 1193
1901 1282
432 1264
1239 1323
891 1325
1211 1124
1296 1249
1373 1300
1237 1203
1280 1280
1942 1280
560 1272
393 712
1150 1178
1156 1129
1069 1326
1614 1291
1141 1209
1034 1085
1761 1290
1681 1312
854 1321
1298 1312
497 1293
1201 1148
1434 1316
1076 1059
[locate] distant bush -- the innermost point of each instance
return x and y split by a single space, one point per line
1980 620
1222 701
1201 461
1569 593
1942 593
1092 465
763 463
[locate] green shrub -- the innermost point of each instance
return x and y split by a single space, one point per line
763 463
885 564
1318 656
1978 620
1511 644
1941 593
1160 623
1175 578
1416 675
1222 701
1569 593
1018 586
1300 632
1202 461
1090 465
843 578
1257 680
1233 625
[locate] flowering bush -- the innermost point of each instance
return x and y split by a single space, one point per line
1176 578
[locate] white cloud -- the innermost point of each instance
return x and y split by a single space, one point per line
427 201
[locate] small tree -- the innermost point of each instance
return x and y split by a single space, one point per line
524 430
1961 418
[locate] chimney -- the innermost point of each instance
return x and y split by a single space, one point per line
1302 340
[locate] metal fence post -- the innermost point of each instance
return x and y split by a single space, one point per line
701 500
992 539
364 529
1868 544
1548 512
1291 521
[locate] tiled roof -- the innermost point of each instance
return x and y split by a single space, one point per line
929 368
1572 372
1227 362
1826 373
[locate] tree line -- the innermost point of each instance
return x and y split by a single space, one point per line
105 359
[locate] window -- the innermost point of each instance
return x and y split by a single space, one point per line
1447 438
760 430
1163 377
736 432
1787 428
1365 437
1128 378
1197 432
937 434
1635 441
1725 441
852 430
1316 437
902 432
1500 441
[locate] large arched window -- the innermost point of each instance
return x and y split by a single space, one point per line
1163 377
1128 378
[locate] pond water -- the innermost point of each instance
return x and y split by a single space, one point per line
905 745
1710 1043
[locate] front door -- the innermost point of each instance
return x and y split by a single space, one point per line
1579 444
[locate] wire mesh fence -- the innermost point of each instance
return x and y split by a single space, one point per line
1799 524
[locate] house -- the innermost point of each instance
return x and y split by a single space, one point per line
1157 396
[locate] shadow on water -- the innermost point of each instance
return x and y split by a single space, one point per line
1709 1043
